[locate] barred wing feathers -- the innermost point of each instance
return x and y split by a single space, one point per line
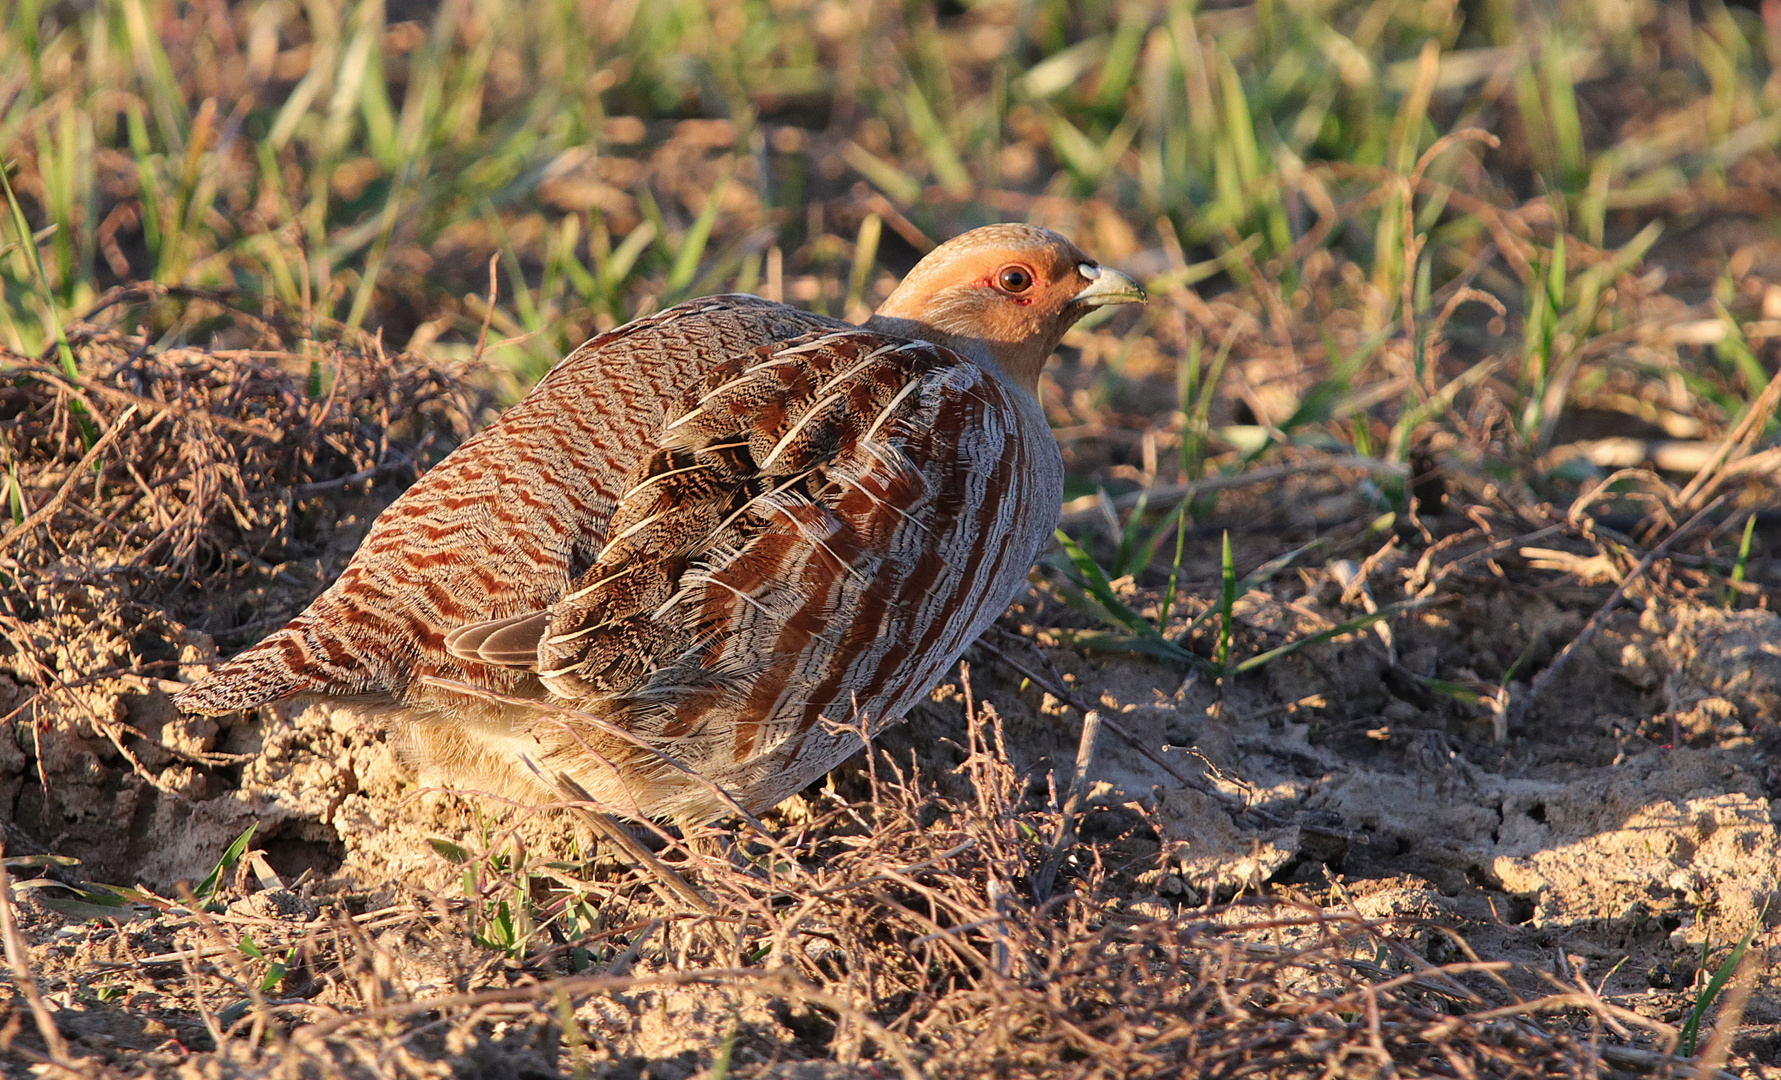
822 532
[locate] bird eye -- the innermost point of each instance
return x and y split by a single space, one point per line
1014 279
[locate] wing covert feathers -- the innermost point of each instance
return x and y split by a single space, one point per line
827 524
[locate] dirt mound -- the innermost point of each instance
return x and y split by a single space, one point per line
166 500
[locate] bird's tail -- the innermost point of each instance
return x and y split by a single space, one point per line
305 657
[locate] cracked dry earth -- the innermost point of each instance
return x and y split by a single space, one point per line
1631 823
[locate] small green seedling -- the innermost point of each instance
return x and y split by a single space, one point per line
1691 1028
275 968
213 881
1738 568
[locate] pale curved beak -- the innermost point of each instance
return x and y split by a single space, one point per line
1107 286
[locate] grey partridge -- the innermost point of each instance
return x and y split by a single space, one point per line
741 532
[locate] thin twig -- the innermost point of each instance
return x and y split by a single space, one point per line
1651 1061
1739 438
1066 826
177 408
1051 687
488 313
396 462
672 887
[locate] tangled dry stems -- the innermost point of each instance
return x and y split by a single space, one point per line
377 1020
904 938
214 446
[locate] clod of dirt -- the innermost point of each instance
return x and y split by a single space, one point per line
1720 670
667 1033
1211 852
1605 847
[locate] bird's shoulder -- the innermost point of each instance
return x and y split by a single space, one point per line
706 330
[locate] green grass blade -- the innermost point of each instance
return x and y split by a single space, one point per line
1187 387
1077 600
1197 430
616 270
1735 353
1098 599
1465 695
692 245
1103 641
1162 618
1128 539
213 881
275 971
1098 586
89 434
1121 65
943 157
28 243
1555 275
362 297
1060 71
865 256
1722 975
1438 403
24 27
156 73
378 115
894 182
1227 603
1566 125
451 852
1738 567
1255 579
15 496
1316 406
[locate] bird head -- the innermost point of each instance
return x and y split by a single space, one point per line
1002 293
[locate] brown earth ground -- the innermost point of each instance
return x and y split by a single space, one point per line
1328 862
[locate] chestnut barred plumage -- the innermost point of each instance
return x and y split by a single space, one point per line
732 528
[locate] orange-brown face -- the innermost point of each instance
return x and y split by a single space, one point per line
1003 292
